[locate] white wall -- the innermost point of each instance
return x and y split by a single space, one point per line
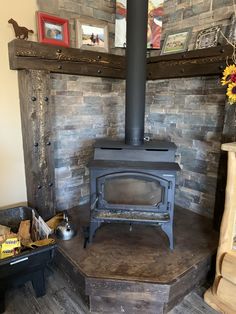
12 175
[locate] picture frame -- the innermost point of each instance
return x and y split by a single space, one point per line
176 41
92 34
208 37
53 29
154 25
232 29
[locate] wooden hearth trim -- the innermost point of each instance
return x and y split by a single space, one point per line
36 56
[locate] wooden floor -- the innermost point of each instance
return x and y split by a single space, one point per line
62 298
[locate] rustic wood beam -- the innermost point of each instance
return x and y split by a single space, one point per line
36 118
35 56
201 62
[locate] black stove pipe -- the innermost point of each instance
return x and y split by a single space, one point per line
136 48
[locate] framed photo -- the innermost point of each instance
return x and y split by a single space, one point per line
176 42
207 38
53 29
92 35
232 29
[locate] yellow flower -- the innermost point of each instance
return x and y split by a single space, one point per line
231 93
229 70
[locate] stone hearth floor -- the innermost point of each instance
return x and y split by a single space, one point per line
135 270
118 254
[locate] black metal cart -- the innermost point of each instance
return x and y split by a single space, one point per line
27 266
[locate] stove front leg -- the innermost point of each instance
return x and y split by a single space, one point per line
94 225
168 229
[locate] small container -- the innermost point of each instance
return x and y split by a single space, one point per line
28 265
65 230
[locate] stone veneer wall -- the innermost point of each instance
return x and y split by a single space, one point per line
85 108
188 111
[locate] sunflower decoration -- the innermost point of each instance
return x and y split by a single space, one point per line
231 93
228 74
229 78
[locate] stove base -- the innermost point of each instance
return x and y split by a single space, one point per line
135 272
157 219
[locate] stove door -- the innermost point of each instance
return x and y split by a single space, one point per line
132 190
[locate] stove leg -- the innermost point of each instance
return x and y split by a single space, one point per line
168 229
94 225
38 282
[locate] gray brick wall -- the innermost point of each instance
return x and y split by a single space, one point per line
189 112
85 108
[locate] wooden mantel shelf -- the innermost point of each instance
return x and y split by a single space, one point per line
37 56
201 62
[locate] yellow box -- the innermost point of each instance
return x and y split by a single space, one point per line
9 246
6 254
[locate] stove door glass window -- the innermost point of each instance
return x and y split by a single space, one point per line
132 189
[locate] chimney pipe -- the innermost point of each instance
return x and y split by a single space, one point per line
136 47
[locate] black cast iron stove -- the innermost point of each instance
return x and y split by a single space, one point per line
134 181
133 184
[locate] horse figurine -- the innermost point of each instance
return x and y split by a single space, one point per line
21 32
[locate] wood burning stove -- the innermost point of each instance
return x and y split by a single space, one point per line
134 181
133 184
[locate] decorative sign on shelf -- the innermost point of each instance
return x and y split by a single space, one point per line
155 13
176 41
207 38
